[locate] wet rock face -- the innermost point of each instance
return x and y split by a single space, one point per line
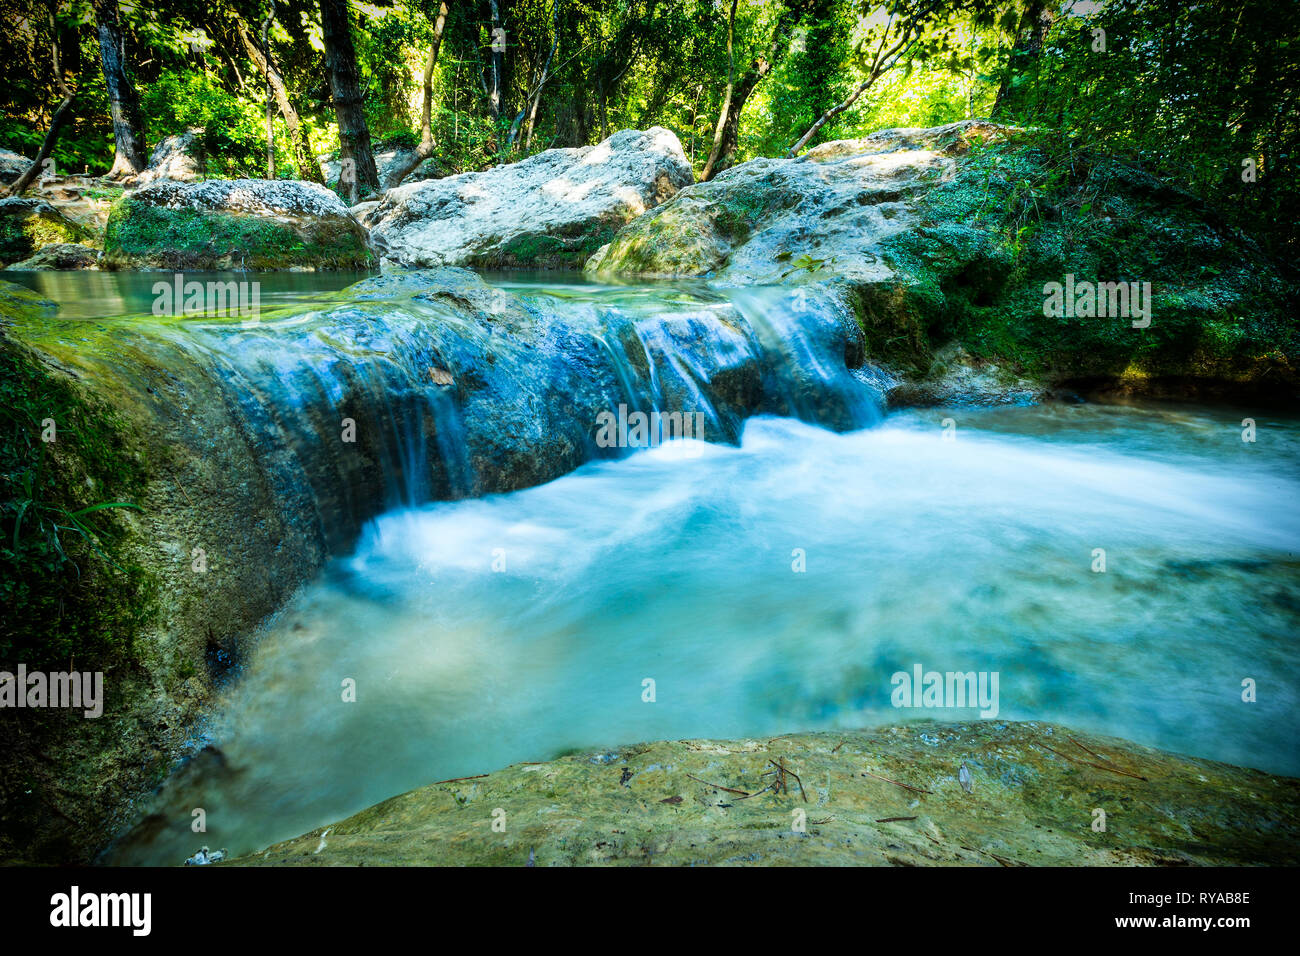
552 210
950 237
28 225
978 794
234 224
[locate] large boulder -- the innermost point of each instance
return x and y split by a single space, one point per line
12 165
28 224
551 210
176 157
951 237
234 224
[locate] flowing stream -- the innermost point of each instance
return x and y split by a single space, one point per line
773 586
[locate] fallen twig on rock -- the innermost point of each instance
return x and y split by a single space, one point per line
1089 763
718 786
905 786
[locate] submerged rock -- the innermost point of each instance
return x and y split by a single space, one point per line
551 210
951 236
1005 794
234 224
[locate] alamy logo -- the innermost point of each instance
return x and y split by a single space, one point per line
922 688
1114 300
102 909
648 430
81 691
216 299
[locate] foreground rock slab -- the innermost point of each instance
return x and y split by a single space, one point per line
1030 795
552 210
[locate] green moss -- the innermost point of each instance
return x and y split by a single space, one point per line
1020 214
140 235
21 236
70 592
741 204
558 250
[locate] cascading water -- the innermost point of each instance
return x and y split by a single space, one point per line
766 586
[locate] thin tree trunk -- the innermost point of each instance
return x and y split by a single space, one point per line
57 121
878 69
270 115
299 138
546 67
403 167
341 62
128 127
1030 34
495 98
726 100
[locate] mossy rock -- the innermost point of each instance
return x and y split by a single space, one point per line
28 225
948 237
257 225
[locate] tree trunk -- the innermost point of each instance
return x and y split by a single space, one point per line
270 97
726 100
303 156
546 72
404 166
1030 35
60 117
731 130
128 127
495 97
341 62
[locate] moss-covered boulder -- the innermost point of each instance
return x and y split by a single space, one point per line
975 794
955 237
27 225
551 210
222 224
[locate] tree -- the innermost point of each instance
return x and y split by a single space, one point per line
341 63
1035 22
726 100
894 32
59 39
726 136
407 163
303 156
128 126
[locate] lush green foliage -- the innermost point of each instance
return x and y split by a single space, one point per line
1190 91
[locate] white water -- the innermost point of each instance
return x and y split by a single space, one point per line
974 554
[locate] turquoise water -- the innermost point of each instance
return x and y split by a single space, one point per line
767 588
516 627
